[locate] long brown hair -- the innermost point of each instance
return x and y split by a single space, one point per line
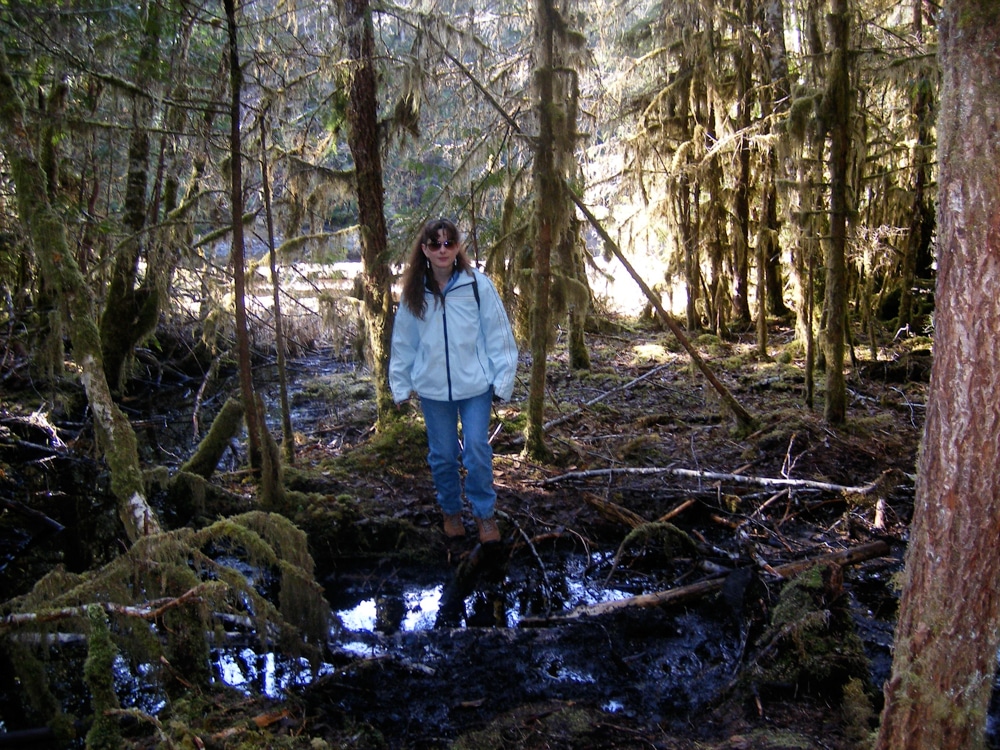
418 277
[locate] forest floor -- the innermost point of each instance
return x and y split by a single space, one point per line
561 636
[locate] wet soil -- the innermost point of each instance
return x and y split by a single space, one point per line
454 644
505 667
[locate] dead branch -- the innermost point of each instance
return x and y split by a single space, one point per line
676 511
112 608
695 590
567 417
714 476
614 511
32 513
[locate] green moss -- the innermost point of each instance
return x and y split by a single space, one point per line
857 714
400 448
98 672
656 538
811 642
562 725
711 346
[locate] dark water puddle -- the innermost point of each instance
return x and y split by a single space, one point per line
493 599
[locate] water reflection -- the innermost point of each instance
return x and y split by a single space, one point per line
266 673
413 609
501 602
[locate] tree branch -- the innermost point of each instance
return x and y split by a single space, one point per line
695 590
865 489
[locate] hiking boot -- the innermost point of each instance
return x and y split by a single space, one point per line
453 526
488 530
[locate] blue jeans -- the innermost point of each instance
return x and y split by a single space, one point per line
441 418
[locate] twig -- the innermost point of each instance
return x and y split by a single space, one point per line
676 511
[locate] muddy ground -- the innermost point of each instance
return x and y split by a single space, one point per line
513 648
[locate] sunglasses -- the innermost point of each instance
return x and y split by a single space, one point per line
436 245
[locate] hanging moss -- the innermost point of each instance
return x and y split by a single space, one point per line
98 671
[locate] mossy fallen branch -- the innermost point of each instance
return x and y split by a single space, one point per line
164 599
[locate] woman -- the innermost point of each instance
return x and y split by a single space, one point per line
452 345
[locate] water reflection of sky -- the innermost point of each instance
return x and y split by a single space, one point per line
571 582
266 673
420 610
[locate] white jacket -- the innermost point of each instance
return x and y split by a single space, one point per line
461 347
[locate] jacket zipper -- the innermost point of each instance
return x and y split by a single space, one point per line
444 325
447 355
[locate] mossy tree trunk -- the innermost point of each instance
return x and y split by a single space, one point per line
579 304
549 211
716 239
948 630
62 276
287 434
131 307
774 102
805 205
740 257
838 104
362 117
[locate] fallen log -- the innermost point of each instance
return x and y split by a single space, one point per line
709 585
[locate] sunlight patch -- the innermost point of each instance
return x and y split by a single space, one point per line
650 353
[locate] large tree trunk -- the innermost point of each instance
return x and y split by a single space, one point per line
835 307
949 622
362 115
63 278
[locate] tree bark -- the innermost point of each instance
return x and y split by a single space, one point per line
548 192
949 622
838 97
63 278
287 435
238 249
362 116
